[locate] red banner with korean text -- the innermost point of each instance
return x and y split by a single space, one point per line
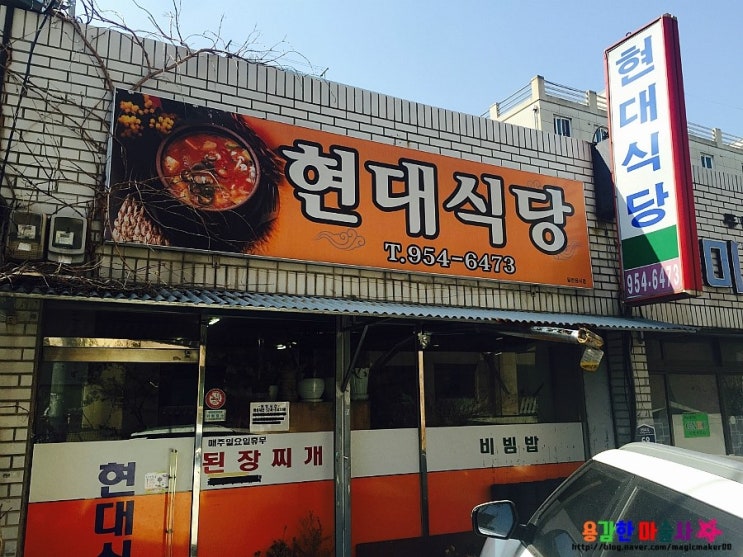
191 177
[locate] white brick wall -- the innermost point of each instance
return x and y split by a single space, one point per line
17 358
715 193
298 100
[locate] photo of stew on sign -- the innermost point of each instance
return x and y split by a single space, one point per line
208 168
189 176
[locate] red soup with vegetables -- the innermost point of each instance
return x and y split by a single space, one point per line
209 171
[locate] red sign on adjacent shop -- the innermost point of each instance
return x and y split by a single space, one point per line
192 177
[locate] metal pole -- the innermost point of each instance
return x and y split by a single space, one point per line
342 441
171 496
198 437
423 339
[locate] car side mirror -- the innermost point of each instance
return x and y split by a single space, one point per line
497 519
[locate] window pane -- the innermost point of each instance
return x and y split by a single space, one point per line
70 321
682 514
485 378
389 354
688 351
600 134
92 401
732 352
695 412
562 126
732 403
272 360
113 374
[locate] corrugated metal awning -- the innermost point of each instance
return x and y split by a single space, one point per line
225 300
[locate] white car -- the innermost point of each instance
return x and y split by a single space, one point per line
639 499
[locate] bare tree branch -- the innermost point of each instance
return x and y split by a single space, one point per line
84 117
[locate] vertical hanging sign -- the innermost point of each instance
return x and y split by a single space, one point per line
651 165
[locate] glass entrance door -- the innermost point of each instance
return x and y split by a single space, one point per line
113 454
113 445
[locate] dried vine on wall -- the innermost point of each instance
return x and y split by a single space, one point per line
61 112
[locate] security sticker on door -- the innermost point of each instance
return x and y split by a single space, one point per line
215 415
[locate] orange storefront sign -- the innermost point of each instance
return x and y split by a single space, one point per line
193 177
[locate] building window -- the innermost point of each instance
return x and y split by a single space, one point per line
601 134
562 126
707 161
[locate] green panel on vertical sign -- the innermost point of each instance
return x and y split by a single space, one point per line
650 248
696 424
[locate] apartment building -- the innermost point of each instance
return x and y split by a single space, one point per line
563 110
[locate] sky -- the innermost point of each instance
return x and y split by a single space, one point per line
466 55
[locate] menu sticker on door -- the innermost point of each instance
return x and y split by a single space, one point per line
269 416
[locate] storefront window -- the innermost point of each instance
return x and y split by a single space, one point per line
731 389
265 360
486 387
114 375
697 392
695 412
93 400
732 352
471 377
688 350
384 381
118 375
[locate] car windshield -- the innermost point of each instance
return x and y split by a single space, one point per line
590 495
605 512
658 518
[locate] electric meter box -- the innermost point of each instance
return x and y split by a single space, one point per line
26 236
67 235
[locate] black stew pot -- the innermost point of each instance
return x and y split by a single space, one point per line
208 193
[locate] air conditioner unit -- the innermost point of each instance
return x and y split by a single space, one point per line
26 236
67 234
